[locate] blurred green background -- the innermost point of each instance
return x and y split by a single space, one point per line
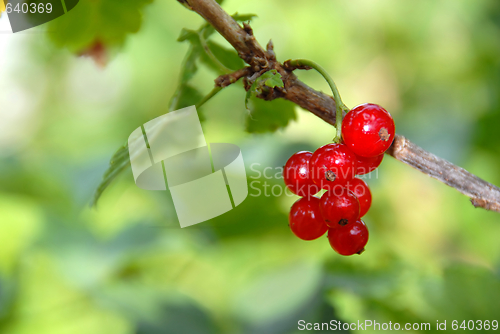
127 267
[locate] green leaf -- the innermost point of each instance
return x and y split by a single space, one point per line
274 80
270 79
105 21
118 163
243 17
187 35
186 96
189 69
201 53
269 116
228 58
211 54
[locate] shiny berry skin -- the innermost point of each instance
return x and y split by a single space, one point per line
297 177
339 207
349 239
368 130
362 192
305 219
332 164
367 165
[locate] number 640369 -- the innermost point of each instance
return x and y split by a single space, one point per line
32 8
475 325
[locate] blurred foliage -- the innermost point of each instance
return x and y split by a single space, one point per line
269 116
108 21
210 54
118 163
127 267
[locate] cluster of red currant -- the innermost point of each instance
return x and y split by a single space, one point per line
367 132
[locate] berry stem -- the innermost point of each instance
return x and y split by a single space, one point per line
339 105
207 97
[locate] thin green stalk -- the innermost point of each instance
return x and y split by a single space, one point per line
210 54
339 105
212 93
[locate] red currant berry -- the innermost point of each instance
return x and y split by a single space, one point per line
332 164
305 219
339 208
366 165
362 192
349 239
297 177
368 130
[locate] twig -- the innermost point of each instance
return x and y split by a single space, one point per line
246 45
482 194
228 79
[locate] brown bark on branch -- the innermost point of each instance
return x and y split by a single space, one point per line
228 79
481 193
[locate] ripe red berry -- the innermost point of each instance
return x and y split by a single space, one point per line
297 177
349 239
368 130
362 192
339 207
366 165
305 219
332 164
